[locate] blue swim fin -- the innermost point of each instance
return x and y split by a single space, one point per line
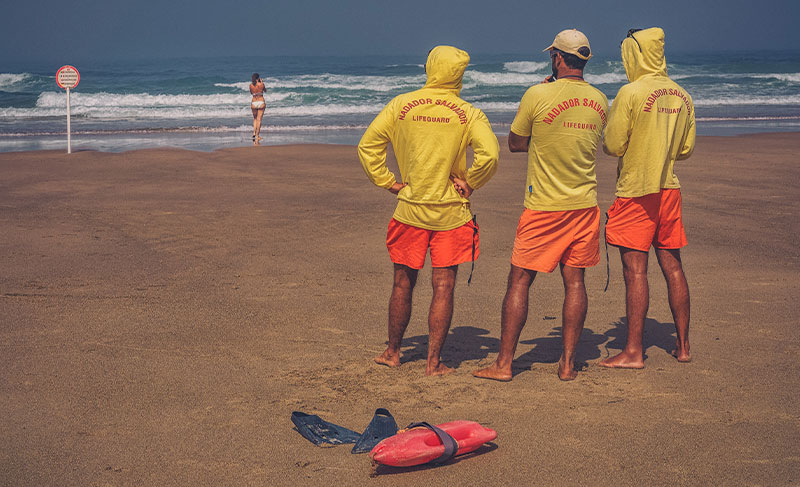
319 432
381 427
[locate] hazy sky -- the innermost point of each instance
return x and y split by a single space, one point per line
81 30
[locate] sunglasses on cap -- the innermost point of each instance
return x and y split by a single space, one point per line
630 34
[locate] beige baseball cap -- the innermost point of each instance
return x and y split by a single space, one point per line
572 41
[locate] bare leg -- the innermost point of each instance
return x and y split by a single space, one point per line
439 317
678 293
514 315
257 123
637 301
574 315
405 278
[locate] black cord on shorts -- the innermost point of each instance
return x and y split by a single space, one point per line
608 264
474 234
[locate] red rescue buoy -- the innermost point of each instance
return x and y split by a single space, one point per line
418 446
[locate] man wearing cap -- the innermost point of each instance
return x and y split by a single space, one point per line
650 126
559 124
430 130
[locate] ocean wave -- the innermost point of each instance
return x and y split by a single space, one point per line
336 82
790 100
787 77
790 77
348 82
497 106
516 73
143 100
526 66
606 78
321 110
244 85
11 81
124 113
747 119
161 112
474 79
190 130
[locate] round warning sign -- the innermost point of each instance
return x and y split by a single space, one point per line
67 77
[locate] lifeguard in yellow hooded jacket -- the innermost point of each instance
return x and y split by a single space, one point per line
650 126
430 130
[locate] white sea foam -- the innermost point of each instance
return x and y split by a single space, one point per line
790 77
742 100
516 73
11 81
348 82
404 65
151 107
476 79
189 130
606 78
497 106
319 110
144 100
748 100
125 113
473 79
526 66
746 119
244 85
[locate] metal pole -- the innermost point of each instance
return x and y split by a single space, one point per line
69 133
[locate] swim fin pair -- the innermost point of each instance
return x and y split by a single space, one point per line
320 432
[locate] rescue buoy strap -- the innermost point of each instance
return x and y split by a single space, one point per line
450 443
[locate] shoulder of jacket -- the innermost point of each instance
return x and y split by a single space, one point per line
598 92
631 90
682 89
538 88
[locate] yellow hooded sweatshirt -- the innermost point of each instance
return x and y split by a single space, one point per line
651 121
430 130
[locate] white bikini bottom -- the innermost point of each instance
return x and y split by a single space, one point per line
258 104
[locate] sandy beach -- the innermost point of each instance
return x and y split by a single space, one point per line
164 311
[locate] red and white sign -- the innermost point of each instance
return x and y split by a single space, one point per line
67 77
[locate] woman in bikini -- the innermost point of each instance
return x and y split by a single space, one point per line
258 105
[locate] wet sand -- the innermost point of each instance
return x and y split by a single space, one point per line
164 311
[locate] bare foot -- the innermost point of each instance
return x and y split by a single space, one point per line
494 372
388 358
440 369
566 371
682 355
622 361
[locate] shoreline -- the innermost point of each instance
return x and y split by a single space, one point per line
208 142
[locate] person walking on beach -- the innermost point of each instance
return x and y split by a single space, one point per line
559 124
430 130
650 126
258 105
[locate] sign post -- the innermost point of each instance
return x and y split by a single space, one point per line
67 78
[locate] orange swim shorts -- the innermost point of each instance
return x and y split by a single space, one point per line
408 245
649 220
547 238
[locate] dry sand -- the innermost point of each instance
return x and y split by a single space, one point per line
164 311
